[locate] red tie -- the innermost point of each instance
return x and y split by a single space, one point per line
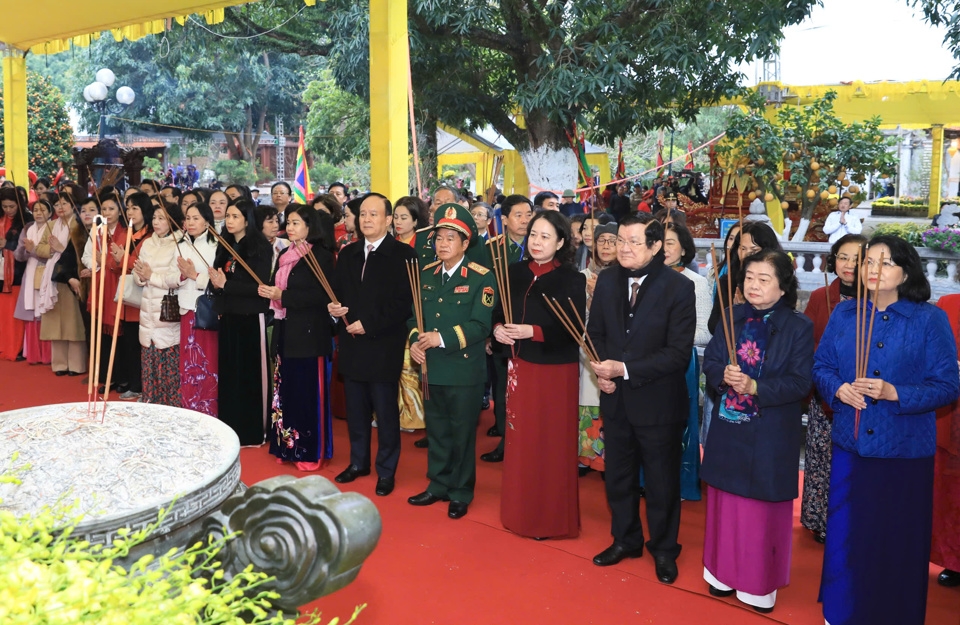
362 270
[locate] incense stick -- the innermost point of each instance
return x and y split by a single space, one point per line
593 349
92 377
569 326
314 266
723 312
116 319
97 344
413 275
826 284
236 256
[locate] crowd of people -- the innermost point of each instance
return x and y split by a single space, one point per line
407 315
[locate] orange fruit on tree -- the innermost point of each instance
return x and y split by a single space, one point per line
814 165
811 194
760 161
752 196
784 205
853 189
768 197
824 195
832 188
832 201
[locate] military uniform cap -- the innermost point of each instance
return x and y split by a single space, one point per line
456 217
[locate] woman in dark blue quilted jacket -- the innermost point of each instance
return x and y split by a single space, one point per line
879 516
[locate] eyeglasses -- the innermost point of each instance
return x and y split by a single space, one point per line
872 263
633 244
607 241
843 258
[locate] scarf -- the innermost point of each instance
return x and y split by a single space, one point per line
848 291
38 235
655 264
47 296
751 350
287 261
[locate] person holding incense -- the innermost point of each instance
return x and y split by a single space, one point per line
887 361
539 497
515 213
301 430
128 356
268 220
643 320
449 335
591 456
945 550
115 225
156 270
760 372
242 264
61 322
199 346
843 261
371 316
34 249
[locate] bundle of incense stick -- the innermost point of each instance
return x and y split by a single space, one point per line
116 319
233 253
726 314
577 330
315 268
96 312
501 262
826 283
864 330
413 275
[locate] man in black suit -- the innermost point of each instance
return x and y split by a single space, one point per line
642 321
375 302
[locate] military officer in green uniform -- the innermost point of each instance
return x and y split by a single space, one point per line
457 298
516 212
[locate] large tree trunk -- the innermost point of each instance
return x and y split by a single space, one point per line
550 161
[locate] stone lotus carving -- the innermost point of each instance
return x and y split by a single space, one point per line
304 532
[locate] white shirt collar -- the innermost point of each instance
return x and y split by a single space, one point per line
375 244
450 273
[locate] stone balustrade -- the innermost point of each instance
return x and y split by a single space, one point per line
814 261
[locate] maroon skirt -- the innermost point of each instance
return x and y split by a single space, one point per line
198 367
539 497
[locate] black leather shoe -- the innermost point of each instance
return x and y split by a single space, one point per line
60 373
349 474
614 553
581 471
426 498
494 456
385 486
666 569
72 374
421 444
457 509
820 537
762 610
494 432
485 405
949 578
716 592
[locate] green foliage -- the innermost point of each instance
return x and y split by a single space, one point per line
49 136
811 142
944 14
235 172
323 173
203 83
152 168
48 576
912 233
338 122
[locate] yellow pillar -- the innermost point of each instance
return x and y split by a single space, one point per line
388 98
936 170
15 117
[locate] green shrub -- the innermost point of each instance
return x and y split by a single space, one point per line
912 233
235 172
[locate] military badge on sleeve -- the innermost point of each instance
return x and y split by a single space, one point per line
487 296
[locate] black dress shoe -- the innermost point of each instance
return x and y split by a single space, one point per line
762 610
581 471
614 553
385 486
60 373
716 592
949 578
485 405
820 537
494 456
421 444
349 474
426 498
72 374
457 509
494 432
20 358
666 569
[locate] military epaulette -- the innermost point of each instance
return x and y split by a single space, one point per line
432 265
478 268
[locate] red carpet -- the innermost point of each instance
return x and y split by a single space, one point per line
430 569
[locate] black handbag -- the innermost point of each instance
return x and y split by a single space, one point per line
170 307
206 317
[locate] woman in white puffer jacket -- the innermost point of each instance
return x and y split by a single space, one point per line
157 272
